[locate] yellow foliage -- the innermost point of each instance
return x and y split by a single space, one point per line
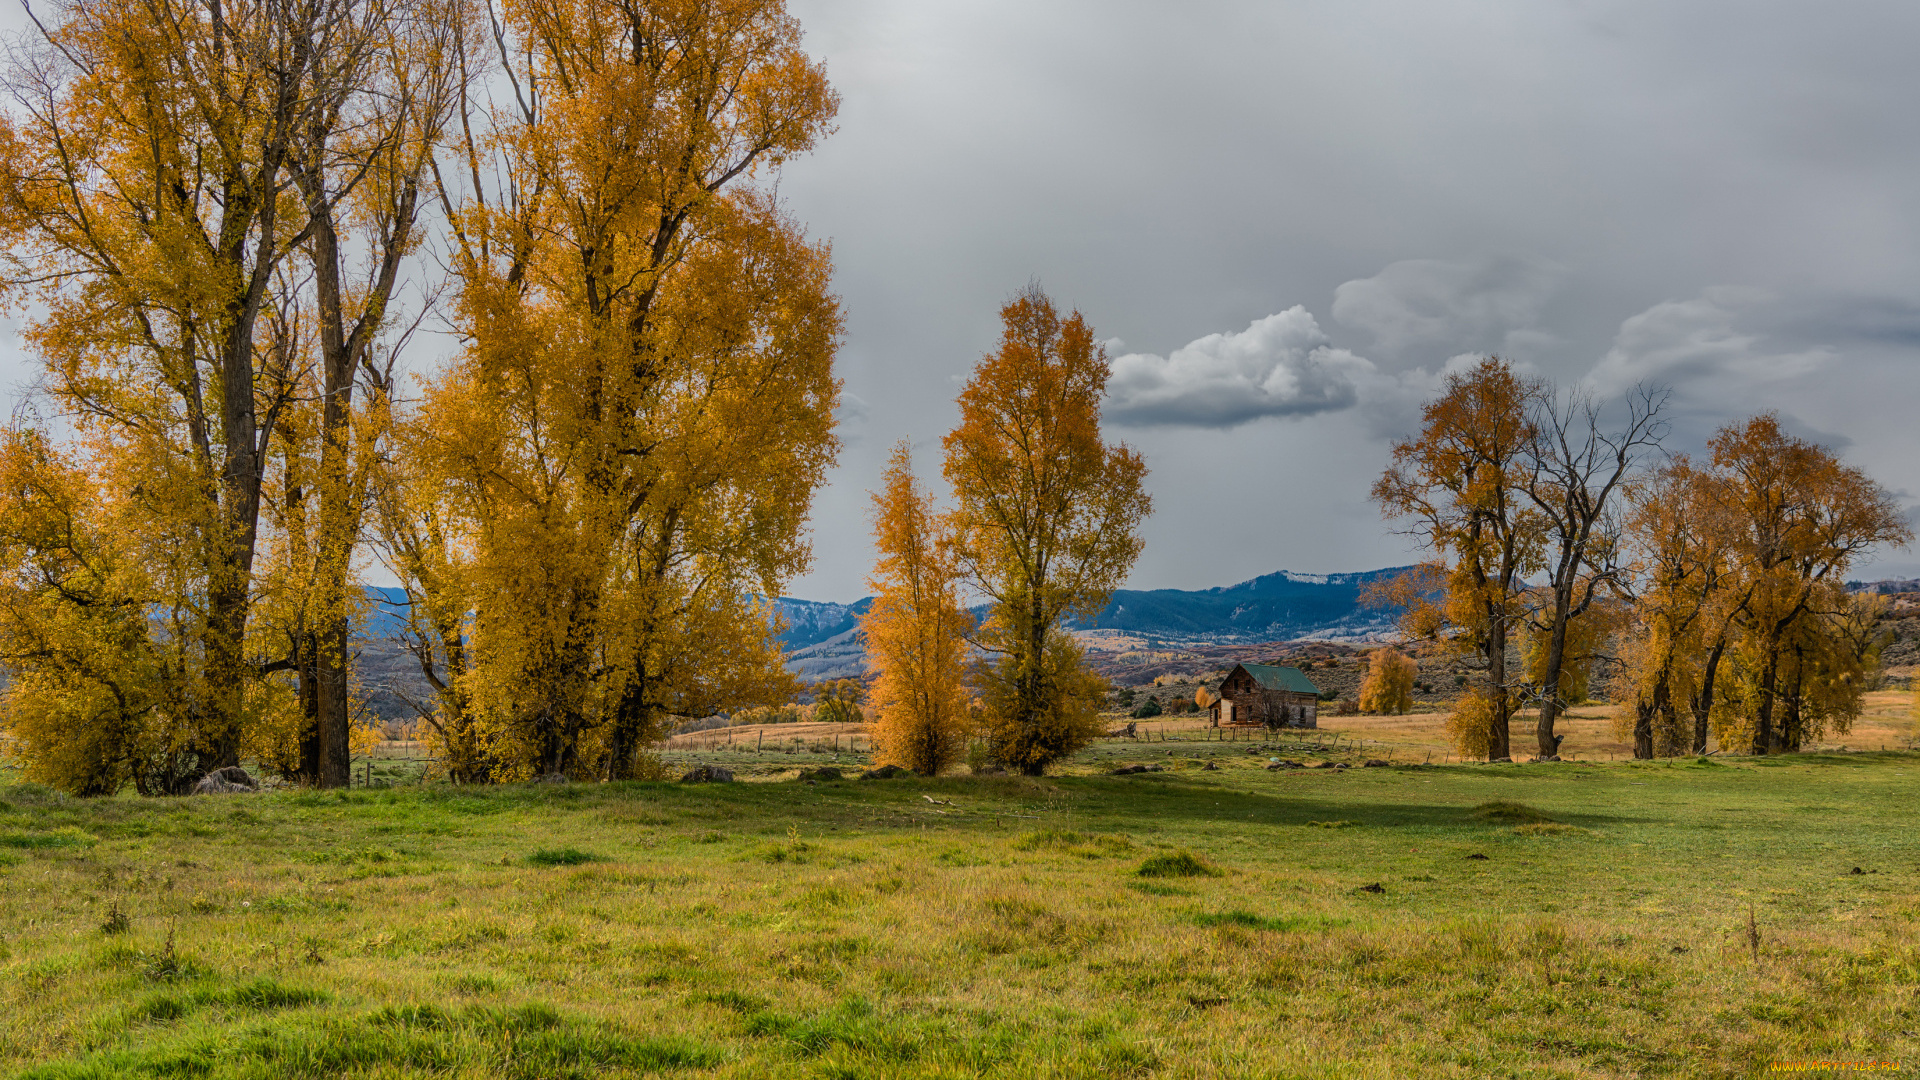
1470 726
1045 524
915 630
1388 687
636 427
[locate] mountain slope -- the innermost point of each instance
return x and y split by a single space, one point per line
1272 607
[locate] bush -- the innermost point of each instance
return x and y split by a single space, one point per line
1177 864
562 857
1150 708
1389 684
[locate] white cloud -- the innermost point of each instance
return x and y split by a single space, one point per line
1432 304
1680 341
1281 365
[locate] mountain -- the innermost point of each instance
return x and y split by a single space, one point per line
1281 606
823 639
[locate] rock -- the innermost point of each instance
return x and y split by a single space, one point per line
1855 870
1376 887
885 772
227 781
1323 765
824 772
1211 767
1376 763
1128 770
1477 855
708 774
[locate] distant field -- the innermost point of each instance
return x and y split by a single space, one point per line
1192 922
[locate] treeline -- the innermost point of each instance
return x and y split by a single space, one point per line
1571 550
231 223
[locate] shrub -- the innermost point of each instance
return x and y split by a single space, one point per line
1389 684
1177 864
567 856
1507 812
1151 707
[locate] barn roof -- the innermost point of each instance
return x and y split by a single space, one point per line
1281 678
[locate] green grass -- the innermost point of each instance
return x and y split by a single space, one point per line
1192 922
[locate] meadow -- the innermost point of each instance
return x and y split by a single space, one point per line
1214 918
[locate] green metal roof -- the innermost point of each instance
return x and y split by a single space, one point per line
1281 678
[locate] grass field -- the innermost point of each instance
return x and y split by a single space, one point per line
1230 921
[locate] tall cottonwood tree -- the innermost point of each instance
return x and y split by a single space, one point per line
1680 586
1801 518
1575 470
1045 524
1463 486
147 205
644 406
360 166
916 629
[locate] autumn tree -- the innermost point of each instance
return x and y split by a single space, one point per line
150 208
1462 486
916 629
1388 687
1576 468
1801 519
839 701
389 85
1681 590
644 407
1044 525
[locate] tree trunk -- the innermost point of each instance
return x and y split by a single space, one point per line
1703 697
1550 685
1643 730
1499 743
1763 733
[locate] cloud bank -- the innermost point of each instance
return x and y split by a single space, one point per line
1282 365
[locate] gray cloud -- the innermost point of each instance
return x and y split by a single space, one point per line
1683 341
1488 305
1281 365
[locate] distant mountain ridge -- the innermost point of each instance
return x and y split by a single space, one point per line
823 639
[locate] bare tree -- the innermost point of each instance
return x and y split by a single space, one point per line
1576 467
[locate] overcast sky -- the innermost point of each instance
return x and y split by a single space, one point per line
1289 217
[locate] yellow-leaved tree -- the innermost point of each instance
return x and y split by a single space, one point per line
168 171
915 630
1044 525
643 410
1800 518
1388 687
1461 487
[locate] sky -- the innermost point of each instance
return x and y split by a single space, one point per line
1288 219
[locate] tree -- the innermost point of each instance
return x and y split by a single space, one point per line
1044 526
916 630
1388 687
1463 485
838 702
1801 518
360 164
151 204
644 407
1679 583
1574 469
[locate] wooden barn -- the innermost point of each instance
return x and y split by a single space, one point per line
1261 695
